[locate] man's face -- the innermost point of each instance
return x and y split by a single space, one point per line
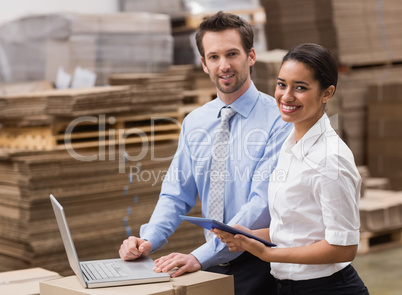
226 62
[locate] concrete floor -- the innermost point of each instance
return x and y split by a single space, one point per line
381 271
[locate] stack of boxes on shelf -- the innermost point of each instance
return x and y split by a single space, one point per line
190 13
366 39
384 123
102 151
361 32
35 47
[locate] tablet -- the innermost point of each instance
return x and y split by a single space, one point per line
211 223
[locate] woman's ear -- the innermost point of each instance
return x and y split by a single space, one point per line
328 93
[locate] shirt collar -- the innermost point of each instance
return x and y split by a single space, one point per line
301 148
244 104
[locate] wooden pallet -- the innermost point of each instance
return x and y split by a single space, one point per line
199 96
94 131
376 241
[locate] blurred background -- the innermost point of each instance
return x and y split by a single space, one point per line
93 93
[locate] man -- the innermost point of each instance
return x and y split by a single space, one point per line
225 43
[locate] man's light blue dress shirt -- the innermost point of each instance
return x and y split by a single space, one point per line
257 133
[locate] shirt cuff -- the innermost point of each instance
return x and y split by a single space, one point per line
342 238
210 254
157 241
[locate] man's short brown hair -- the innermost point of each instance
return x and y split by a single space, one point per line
222 21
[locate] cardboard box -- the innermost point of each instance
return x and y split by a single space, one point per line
24 282
203 282
72 286
380 210
198 283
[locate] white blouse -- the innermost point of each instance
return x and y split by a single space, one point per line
314 194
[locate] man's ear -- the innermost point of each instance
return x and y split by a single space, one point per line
204 67
251 57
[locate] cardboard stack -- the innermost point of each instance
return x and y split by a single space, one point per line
360 32
105 199
35 47
364 36
381 219
266 70
18 88
385 131
353 97
156 91
103 152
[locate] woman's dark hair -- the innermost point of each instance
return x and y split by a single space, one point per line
222 21
320 60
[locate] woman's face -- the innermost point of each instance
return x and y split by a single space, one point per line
299 96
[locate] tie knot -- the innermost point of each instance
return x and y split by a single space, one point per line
226 114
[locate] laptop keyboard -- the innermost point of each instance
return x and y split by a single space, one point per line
102 270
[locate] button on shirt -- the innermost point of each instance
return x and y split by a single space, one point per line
314 194
257 133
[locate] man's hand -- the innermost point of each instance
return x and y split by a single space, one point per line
134 247
184 262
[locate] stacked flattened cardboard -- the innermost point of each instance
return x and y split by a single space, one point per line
385 131
35 47
353 95
88 101
380 219
14 104
359 32
148 102
105 199
103 154
198 88
153 91
266 70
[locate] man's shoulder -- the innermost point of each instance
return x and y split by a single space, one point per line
266 108
268 101
201 114
204 109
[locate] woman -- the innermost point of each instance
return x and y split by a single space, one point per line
315 189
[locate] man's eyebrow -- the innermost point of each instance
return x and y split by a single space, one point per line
229 50
233 49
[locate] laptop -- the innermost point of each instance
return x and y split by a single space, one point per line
105 272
